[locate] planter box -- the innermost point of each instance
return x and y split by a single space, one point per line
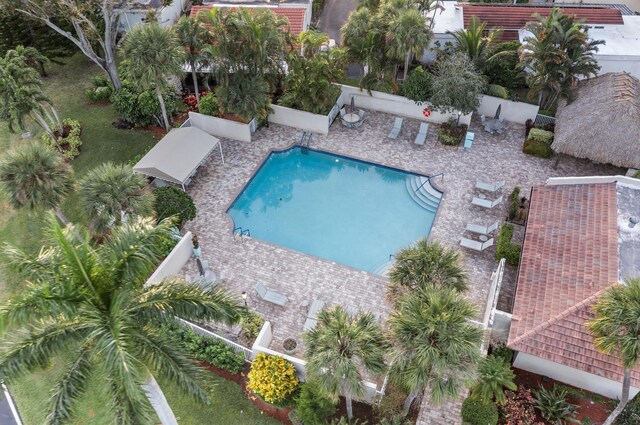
221 127
304 120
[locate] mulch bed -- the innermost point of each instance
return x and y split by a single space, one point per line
587 407
158 132
364 412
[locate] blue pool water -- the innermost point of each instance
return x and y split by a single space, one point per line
348 211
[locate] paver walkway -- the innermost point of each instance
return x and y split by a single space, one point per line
302 277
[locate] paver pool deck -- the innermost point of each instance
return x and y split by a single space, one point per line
243 262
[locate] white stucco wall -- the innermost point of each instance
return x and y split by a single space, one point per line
568 375
619 63
167 16
174 262
511 111
221 127
299 119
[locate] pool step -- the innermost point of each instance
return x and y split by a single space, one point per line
426 196
382 268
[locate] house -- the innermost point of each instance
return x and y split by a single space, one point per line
617 25
578 242
602 122
297 12
137 12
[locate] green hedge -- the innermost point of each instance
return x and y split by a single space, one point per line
210 350
475 412
540 135
209 105
535 148
172 201
514 199
506 249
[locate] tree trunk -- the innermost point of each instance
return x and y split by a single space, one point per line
61 217
111 69
407 59
408 402
194 75
162 107
349 402
43 124
159 402
626 382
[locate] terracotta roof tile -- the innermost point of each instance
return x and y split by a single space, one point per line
569 257
295 15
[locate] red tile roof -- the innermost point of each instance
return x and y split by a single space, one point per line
295 15
569 257
513 18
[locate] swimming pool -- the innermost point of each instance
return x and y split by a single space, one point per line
344 210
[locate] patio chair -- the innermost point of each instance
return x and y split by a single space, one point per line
468 140
476 245
343 112
422 134
482 230
270 296
489 187
486 203
311 321
397 128
361 114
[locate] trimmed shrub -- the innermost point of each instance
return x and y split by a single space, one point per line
251 325
637 175
535 148
518 409
141 108
212 351
172 201
502 351
514 200
70 144
504 247
101 81
417 86
539 135
447 139
313 407
272 377
475 412
209 105
553 405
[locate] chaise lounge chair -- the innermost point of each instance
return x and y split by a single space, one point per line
270 296
422 134
489 187
397 128
476 245
482 230
311 321
486 203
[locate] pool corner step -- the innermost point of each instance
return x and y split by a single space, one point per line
421 191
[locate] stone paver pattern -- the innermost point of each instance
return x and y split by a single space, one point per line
242 262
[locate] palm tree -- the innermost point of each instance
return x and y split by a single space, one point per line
154 54
340 348
409 35
616 331
192 34
246 96
311 41
363 38
494 375
31 56
91 300
477 46
426 264
35 178
111 194
435 347
21 96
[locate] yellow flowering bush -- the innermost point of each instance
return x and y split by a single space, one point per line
272 378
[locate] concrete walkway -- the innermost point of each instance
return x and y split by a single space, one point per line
334 15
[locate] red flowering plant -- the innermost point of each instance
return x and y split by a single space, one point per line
518 409
191 101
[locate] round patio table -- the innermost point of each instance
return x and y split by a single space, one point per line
351 118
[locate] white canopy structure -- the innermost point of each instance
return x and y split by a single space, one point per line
178 155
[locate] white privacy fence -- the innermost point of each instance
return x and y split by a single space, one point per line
304 120
221 127
174 262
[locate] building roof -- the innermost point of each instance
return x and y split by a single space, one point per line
294 14
602 123
177 155
512 18
569 257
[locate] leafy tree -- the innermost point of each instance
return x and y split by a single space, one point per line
616 331
435 347
154 54
457 85
494 375
192 34
340 348
35 178
94 25
171 201
418 85
410 35
312 406
556 55
92 300
426 265
111 194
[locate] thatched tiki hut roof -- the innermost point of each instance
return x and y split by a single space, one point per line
603 122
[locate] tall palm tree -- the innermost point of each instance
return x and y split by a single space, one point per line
91 300
340 348
363 38
477 46
426 264
616 331
111 194
192 35
154 54
311 41
409 35
435 347
36 178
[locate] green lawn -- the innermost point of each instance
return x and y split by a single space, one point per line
101 143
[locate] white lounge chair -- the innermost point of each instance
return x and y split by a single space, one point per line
397 128
468 140
270 296
486 203
476 245
482 230
422 133
489 187
313 311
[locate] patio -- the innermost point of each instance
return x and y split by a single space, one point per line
241 262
